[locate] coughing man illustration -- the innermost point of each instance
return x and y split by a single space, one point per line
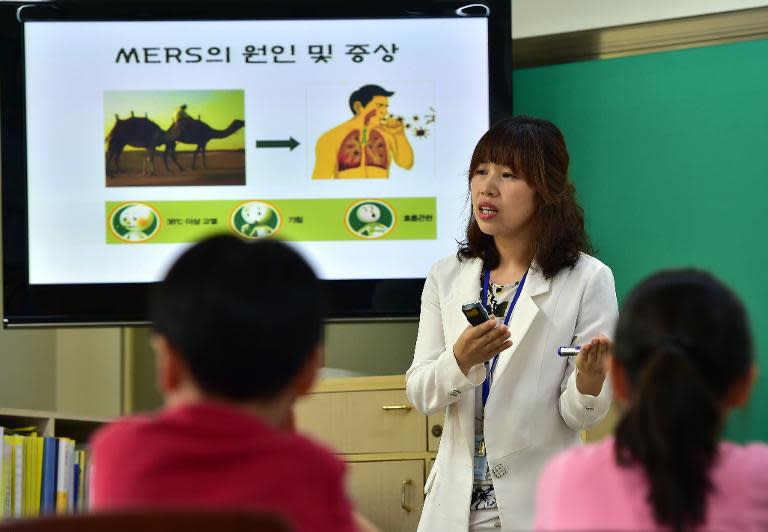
366 145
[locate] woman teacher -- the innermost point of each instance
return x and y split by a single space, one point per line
510 400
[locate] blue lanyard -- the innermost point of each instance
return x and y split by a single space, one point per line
492 367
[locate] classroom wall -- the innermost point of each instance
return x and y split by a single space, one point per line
89 371
533 18
27 369
384 348
75 371
351 349
668 157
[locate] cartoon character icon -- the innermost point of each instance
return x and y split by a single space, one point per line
135 222
370 219
370 214
256 220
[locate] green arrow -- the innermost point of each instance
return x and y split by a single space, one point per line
290 143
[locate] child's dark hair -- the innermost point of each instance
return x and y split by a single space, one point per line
683 340
245 316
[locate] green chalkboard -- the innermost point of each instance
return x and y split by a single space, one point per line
669 154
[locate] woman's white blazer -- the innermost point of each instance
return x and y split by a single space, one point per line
534 409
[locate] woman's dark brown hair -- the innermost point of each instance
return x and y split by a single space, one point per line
683 341
534 149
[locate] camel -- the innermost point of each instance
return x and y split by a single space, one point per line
140 133
191 131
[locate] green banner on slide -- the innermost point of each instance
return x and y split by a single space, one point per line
295 219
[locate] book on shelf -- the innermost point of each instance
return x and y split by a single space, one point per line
31 476
41 475
48 480
7 475
63 476
18 476
38 476
2 476
82 491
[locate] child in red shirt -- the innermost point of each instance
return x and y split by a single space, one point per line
238 336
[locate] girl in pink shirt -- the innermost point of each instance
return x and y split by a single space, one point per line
682 359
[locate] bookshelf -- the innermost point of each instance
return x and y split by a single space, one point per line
55 424
43 462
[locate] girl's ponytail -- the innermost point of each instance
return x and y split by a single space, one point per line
683 342
672 430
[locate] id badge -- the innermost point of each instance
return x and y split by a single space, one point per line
480 461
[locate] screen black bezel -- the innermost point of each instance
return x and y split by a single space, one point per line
124 304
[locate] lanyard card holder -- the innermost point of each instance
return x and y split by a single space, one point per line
480 461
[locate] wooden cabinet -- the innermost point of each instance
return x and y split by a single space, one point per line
374 421
388 445
388 492
371 424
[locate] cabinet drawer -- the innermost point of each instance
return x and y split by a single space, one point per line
389 493
380 421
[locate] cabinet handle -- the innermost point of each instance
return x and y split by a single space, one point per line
403 504
397 407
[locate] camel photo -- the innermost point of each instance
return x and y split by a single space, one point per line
200 131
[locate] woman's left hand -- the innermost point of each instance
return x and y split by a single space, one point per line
591 365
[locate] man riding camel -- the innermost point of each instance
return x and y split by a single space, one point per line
180 114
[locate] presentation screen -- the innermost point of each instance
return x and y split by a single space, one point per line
348 138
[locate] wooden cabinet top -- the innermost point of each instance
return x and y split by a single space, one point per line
354 384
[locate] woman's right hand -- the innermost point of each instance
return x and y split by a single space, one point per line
481 343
